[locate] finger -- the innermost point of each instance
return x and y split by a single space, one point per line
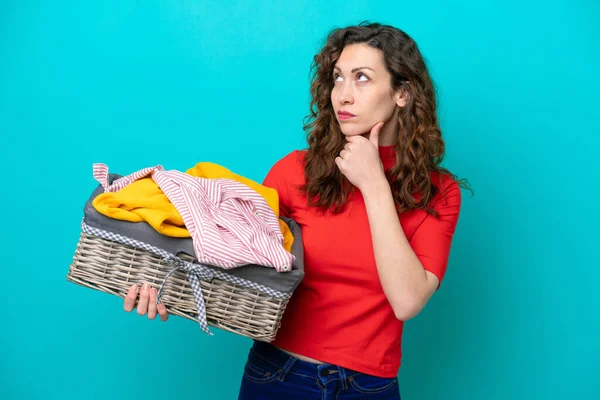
162 311
347 146
130 298
142 306
374 136
338 162
343 154
152 304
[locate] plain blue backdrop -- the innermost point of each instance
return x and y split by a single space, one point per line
138 83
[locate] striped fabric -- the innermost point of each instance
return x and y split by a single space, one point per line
231 225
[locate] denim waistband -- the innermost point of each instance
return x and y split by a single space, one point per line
290 364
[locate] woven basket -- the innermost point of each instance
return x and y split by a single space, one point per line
113 267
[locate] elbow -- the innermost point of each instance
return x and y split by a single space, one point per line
405 312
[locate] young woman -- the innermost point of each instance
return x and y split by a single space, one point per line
377 212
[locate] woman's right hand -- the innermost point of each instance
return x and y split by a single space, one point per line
147 303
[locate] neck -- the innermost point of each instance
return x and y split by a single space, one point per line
388 136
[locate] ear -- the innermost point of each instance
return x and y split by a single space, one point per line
401 97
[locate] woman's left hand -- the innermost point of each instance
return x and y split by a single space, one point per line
359 161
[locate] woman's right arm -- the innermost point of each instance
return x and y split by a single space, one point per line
147 303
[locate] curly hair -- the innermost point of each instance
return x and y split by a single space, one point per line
420 147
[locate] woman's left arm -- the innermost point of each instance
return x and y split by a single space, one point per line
407 283
409 272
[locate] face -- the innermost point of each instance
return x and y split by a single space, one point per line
362 88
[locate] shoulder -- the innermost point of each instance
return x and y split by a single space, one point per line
288 169
448 190
292 164
287 176
293 159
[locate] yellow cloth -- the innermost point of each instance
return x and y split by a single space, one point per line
144 201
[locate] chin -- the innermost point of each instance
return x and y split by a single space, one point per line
352 130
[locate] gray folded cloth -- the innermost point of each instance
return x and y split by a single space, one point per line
285 282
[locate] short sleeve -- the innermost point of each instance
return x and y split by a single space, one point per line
276 179
432 240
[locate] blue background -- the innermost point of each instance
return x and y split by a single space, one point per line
138 83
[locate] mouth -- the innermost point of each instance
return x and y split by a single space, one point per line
345 115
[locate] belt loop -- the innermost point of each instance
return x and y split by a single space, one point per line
343 378
286 368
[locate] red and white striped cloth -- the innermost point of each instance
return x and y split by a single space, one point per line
231 225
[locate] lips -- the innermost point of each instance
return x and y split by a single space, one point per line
345 115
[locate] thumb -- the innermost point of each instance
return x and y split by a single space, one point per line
374 135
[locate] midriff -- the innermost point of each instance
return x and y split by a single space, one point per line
301 357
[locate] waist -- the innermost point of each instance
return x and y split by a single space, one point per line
301 364
300 356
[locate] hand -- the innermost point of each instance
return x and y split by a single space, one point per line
147 302
359 161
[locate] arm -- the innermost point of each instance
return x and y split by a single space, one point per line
409 272
406 281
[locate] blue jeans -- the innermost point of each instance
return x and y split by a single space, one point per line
271 373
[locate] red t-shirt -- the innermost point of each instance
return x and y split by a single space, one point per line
339 313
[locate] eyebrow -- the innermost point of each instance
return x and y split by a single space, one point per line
353 70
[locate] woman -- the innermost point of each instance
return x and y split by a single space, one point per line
377 214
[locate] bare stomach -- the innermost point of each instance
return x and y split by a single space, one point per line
301 357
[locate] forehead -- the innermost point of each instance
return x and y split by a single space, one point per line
360 55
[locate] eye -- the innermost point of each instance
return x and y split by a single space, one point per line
359 75
335 77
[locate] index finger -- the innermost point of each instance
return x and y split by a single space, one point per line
130 298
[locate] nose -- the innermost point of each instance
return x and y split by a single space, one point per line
345 95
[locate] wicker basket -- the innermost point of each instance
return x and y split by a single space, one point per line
113 267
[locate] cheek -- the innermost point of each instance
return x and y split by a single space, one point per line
383 107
